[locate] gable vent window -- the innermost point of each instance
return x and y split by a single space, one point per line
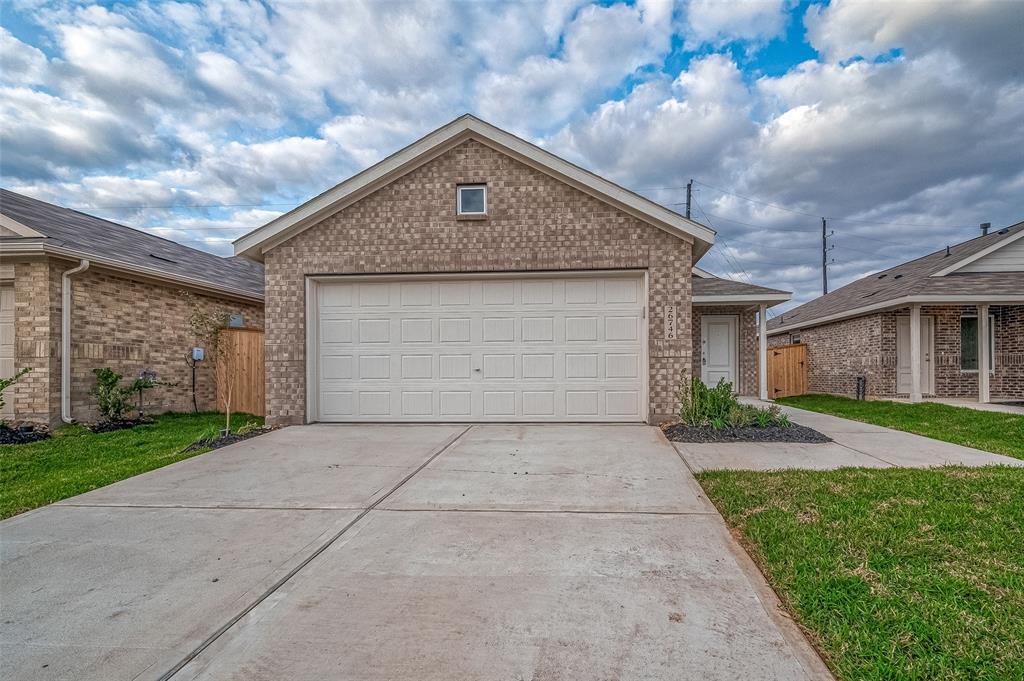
472 199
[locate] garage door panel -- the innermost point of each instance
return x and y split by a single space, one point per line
467 350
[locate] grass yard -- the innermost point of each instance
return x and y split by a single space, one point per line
988 430
75 460
894 574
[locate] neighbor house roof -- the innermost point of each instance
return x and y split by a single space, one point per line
255 243
933 278
33 226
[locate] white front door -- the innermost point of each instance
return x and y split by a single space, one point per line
903 380
499 348
718 349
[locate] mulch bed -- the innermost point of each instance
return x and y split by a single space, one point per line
111 426
794 433
22 436
225 440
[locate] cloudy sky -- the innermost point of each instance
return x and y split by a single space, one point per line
902 122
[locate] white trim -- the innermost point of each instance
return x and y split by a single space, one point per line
774 298
960 264
458 198
41 248
762 352
703 274
901 302
65 340
257 242
312 336
915 352
18 228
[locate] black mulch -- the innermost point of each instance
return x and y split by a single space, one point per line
121 424
793 433
225 440
22 436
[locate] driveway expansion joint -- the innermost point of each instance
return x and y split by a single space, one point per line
298 568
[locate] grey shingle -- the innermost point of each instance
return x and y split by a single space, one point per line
913 278
90 235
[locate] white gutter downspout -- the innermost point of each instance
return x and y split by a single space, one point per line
65 340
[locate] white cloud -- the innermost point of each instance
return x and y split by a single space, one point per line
717 23
20 64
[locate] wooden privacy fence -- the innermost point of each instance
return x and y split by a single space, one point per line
787 370
240 368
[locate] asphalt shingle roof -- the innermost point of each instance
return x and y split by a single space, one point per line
913 278
90 235
714 286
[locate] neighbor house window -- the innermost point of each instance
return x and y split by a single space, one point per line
472 199
969 343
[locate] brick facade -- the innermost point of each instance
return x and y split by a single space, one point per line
866 346
117 322
747 378
534 223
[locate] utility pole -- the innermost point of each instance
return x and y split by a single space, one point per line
689 197
824 258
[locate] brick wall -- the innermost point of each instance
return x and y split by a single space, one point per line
746 380
117 322
839 352
534 223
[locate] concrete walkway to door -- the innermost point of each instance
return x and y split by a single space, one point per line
855 444
396 552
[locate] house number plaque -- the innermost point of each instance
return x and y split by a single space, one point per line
669 313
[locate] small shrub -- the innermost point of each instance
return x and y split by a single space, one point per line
249 427
701 406
112 399
6 383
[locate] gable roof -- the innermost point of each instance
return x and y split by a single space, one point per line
257 242
39 226
931 278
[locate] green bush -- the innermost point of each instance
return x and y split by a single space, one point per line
6 383
112 399
701 406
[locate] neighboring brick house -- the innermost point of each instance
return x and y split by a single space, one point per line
129 311
473 276
938 308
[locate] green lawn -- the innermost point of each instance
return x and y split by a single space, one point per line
988 430
894 574
75 460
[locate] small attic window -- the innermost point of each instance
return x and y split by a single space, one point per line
471 199
158 257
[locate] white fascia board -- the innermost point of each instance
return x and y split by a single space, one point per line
960 264
772 298
18 228
703 274
967 299
38 247
257 242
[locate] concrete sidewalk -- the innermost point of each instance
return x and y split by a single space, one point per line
855 444
397 552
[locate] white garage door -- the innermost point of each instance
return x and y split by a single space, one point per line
565 348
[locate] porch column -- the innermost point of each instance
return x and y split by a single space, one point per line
915 353
762 346
983 352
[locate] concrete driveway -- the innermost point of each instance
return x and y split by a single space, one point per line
396 552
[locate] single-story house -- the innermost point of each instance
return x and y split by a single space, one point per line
922 329
105 295
473 276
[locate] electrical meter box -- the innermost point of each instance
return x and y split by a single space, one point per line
198 355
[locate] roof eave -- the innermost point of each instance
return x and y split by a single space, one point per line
937 299
30 247
964 262
742 298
